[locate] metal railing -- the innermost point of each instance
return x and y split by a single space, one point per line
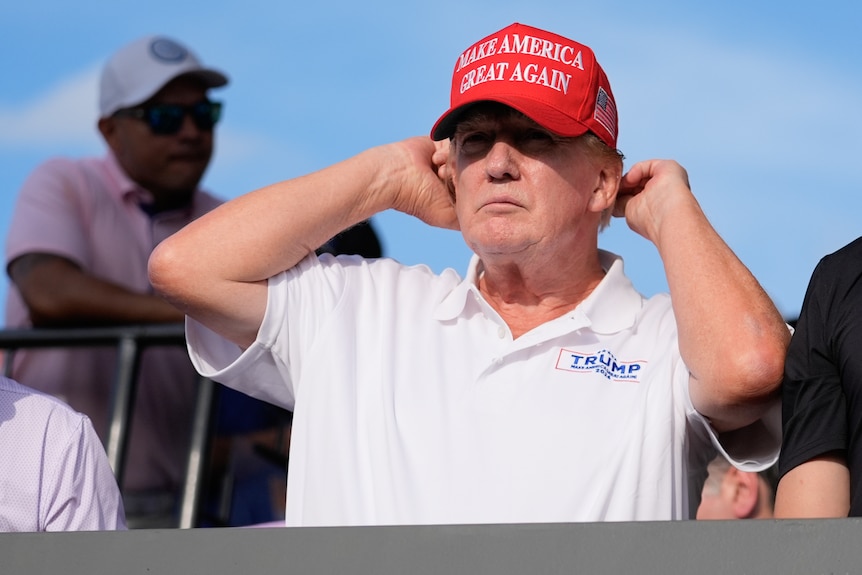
130 341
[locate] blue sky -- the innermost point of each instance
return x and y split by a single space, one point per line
761 102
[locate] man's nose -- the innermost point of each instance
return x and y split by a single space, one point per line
501 162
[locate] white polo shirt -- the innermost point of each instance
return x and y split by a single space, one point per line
414 405
55 475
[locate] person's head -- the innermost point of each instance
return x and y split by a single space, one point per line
156 117
729 493
535 111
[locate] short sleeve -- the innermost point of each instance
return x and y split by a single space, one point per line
814 417
49 215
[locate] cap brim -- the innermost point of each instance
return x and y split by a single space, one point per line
546 116
211 78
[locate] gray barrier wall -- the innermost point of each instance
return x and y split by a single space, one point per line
661 548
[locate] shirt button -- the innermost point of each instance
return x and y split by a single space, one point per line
501 332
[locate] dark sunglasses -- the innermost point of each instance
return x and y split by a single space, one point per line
166 119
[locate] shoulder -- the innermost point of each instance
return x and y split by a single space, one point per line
374 269
836 276
619 305
12 391
66 166
63 173
59 164
36 409
416 283
58 167
328 280
853 250
837 262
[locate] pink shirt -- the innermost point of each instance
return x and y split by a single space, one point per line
88 211
55 475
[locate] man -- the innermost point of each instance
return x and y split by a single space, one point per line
56 476
542 387
821 458
77 254
730 493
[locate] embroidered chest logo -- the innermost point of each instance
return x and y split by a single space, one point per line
602 362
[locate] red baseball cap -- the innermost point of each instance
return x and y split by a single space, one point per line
554 81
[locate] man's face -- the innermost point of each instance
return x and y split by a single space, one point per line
519 187
170 166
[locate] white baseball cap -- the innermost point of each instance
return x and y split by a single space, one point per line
140 69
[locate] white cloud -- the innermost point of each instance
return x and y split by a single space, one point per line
64 115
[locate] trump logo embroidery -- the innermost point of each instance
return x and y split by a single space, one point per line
601 362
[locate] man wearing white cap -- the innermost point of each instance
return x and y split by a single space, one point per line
540 388
78 245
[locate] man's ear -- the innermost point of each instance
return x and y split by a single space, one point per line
745 492
605 192
108 129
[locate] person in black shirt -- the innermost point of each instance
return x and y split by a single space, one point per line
821 456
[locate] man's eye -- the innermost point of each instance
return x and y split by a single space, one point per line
475 141
474 137
538 136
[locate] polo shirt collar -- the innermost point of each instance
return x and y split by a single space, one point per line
454 303
125 188
611 307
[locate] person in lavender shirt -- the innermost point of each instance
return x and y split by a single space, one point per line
56 475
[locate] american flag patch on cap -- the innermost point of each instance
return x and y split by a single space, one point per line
606 112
